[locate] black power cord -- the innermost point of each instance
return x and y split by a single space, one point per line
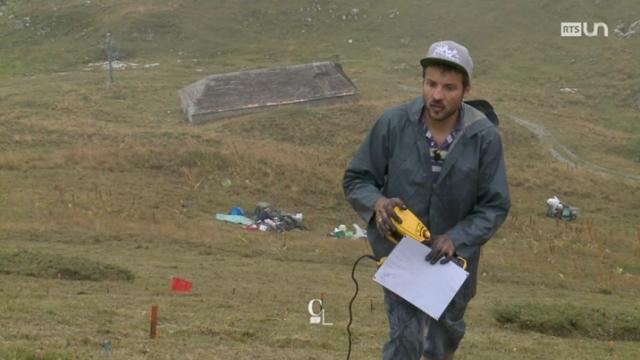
353 271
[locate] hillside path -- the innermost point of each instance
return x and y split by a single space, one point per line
562 154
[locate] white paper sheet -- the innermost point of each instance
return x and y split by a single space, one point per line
429 287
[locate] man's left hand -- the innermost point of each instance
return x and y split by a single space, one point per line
442 248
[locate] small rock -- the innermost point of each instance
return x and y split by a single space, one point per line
569 90
353 14
188 204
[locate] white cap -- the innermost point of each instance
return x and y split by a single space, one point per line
449 52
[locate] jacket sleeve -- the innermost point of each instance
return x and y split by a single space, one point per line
492 204
366 174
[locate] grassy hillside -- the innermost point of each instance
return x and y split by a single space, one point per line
113 177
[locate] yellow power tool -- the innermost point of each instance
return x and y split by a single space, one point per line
412 227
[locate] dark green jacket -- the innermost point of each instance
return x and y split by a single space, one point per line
470 200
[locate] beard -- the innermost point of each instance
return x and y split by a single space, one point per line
439 112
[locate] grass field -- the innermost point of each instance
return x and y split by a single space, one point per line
107 192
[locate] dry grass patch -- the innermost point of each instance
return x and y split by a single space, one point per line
567 320
42 265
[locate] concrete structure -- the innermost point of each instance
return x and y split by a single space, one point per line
223 95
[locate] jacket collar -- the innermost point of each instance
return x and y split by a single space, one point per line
415 109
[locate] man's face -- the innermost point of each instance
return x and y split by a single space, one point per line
443 92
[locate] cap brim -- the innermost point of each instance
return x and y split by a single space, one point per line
430 61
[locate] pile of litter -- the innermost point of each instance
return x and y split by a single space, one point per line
343 232
265 218
558 209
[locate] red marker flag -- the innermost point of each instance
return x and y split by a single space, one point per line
181 285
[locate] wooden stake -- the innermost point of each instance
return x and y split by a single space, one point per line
154 322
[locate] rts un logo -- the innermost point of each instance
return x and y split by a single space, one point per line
578 29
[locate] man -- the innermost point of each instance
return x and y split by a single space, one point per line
443 160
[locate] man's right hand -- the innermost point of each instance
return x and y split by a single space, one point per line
384 212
